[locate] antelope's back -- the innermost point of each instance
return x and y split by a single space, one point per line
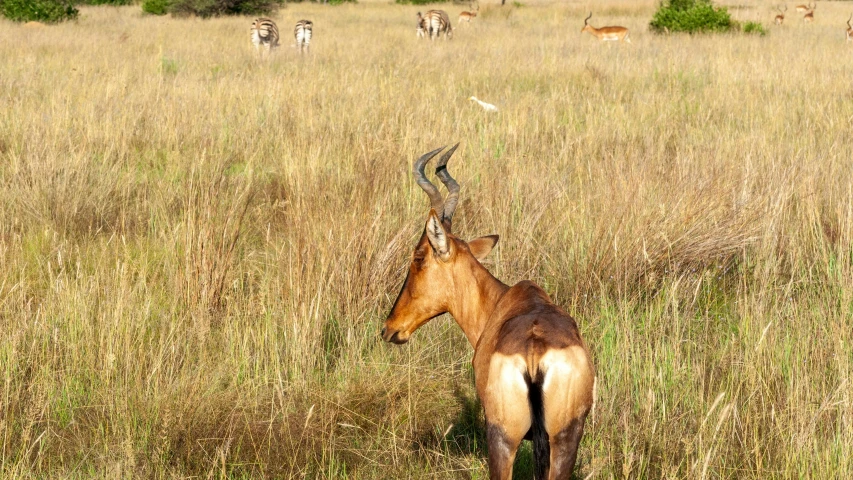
527 324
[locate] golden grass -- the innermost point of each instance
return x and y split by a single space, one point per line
197 248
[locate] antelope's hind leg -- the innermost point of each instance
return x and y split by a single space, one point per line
564 449
568 394
508 416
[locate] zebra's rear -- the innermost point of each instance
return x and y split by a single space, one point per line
302 32
438 22
264 32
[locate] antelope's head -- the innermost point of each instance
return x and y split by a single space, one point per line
586 26
441 261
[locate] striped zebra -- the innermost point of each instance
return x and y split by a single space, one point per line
264 32
421 25
302 33
438 22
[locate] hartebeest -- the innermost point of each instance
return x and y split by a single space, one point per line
781 17
606 33
533 373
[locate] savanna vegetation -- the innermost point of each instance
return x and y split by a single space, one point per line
198 247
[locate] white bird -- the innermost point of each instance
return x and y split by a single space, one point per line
486 106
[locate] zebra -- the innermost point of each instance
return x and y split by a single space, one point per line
264 32
438 22
421 25
302 33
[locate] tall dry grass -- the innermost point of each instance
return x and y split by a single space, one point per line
197 248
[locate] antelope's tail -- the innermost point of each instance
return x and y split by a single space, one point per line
539 436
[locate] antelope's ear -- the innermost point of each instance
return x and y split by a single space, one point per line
437 236
481 247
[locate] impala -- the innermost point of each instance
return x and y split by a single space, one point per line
809 17
781 17
849 29
606 33
468 16
802 8
533 373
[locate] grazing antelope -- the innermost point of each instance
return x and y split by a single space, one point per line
781 17
421 25
302 33
849 29
809 17
468 16
802 9
436 23
533 373
264 32
606 33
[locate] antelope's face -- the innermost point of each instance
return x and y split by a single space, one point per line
438 266
440 260
424 295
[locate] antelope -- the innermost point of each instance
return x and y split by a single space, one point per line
302 33
849 29
533 373
437 22
781 17
802 9
809 17
606 33
468 16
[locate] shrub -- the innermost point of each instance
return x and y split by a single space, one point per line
156 7
47 11
419 2
106 2
692 16
754 27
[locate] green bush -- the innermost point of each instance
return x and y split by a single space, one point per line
214 8
156 7
47 11
692 16
419 2
754 27
106 2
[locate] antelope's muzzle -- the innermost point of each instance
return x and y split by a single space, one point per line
392 336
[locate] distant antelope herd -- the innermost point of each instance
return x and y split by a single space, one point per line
436 23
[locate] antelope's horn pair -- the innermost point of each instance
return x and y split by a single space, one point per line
586 20
444 207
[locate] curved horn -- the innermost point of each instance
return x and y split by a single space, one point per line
587 19
848 20
448 181
418 170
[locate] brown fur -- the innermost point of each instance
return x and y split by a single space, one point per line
606 33
521 339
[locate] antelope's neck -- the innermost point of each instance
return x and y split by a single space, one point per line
476 299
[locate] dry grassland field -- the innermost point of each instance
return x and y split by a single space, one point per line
198 248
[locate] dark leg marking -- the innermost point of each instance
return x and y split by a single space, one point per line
564 449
